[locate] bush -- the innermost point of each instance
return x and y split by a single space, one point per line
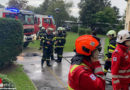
6 82
83 31
11 40
74 29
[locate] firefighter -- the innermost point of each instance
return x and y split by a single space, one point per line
41 33
111 47
47 45
121 62
59 44
85 71
64 32
52 54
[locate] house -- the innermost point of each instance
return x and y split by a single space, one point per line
127 23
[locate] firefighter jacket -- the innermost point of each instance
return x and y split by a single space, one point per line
111 47
41 34
44 41
120 66
59 40
86 76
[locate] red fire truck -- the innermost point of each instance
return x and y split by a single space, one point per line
27 19
44 21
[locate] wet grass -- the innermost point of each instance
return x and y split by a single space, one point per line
69 46
70 42
18 76
35 44
106 45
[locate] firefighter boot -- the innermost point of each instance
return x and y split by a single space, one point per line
52 57
42 62
48 63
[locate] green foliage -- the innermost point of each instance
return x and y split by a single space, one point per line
19 77
70 41
99 15
106 45
83 31
11 40
7 83
63 13
74 29
20 4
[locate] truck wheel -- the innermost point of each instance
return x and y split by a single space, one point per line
25 44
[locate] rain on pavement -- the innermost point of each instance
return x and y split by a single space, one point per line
49 78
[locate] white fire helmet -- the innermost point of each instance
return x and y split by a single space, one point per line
123 36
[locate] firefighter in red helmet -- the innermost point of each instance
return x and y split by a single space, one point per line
85 71
121 62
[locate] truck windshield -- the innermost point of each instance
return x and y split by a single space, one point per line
53 21
10 15
26 19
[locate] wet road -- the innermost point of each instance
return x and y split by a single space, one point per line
48 78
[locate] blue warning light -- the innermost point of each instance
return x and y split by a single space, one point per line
15 10
50 16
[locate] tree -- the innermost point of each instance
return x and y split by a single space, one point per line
107 19
1 6
64 10
20 4
98 14
88 10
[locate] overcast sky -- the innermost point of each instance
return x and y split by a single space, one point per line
121 4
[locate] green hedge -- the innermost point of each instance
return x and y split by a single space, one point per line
83 31
11 40
74 29
6 82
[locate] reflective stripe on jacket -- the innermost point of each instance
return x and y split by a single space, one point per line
86 76
120 66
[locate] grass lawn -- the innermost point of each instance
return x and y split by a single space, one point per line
70 42
106 45
18 76
69 46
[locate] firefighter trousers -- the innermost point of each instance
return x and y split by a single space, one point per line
59 54
107 66
46 57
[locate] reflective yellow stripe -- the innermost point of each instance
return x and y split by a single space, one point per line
46 47
48 39
69 88
59 46
72 69
111 51
75 66
105 70
59 37
112 46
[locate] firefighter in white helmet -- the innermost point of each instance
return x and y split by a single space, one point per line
47 45
121 62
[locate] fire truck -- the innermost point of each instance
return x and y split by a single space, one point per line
45 21
27 19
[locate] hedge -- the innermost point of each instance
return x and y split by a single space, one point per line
74 29
83 31
11 40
